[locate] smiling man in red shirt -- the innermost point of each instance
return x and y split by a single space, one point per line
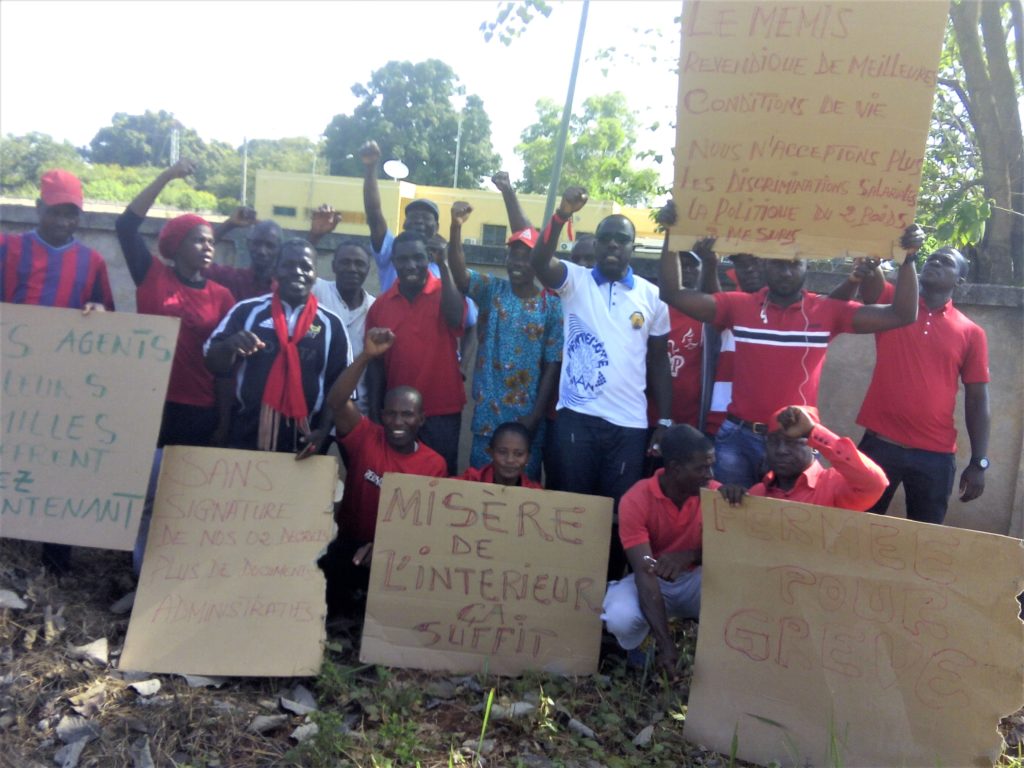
370 451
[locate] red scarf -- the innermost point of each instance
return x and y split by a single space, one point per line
283 395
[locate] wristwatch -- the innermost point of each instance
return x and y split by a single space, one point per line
668 423
982 463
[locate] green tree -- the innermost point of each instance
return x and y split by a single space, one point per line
972 186
598 156
23 159
406 108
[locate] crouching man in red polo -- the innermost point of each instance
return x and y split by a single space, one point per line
660 526
370 451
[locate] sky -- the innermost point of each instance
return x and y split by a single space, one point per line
269 69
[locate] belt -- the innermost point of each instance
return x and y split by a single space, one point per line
757 427
872 433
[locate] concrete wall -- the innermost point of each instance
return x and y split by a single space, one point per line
999 310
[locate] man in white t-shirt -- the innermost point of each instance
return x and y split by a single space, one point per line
345 297
615 349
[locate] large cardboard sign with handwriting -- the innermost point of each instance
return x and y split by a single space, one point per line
839 638
82 400
471 577
229 583
801 126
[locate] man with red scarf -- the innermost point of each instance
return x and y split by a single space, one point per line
285 352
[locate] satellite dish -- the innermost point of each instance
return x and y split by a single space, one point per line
396 169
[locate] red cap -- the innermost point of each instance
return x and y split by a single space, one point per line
810 410
175 231
59 187
528 236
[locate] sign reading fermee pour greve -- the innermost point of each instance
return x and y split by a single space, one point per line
801 126
82 400
229 583
471 577
831 637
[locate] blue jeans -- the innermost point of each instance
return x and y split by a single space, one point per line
601 459
739 455
927 478
598 457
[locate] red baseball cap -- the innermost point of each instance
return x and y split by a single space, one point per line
58 187
527 236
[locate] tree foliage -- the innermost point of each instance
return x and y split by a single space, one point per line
972 188
23 159
598 155
406 108
512 19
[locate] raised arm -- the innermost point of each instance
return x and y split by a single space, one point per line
339 399
242 216
866 280
516 218
136 254
456 258
698 305
546 265
325 220
976 414
873 318
705 250
453 304
369 153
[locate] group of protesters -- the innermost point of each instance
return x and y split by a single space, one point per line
588 378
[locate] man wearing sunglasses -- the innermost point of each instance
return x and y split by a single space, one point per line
615 347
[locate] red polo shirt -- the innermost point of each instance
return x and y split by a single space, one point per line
485 474
425 352
853 482
369 458
918 370
647 515
779 350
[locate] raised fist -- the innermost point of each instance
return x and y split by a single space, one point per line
369 153
184 167
460 212
573 200
501 181
325 219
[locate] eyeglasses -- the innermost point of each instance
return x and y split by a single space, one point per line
619 237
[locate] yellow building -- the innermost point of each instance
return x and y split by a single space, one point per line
290 198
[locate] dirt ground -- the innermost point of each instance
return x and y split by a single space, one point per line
63 701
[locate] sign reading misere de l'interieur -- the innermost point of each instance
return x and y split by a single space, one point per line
471 577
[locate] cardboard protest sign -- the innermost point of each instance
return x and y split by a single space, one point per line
842 638
471 577
801 126
229 582
81 408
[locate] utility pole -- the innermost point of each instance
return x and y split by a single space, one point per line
563 133
245 167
